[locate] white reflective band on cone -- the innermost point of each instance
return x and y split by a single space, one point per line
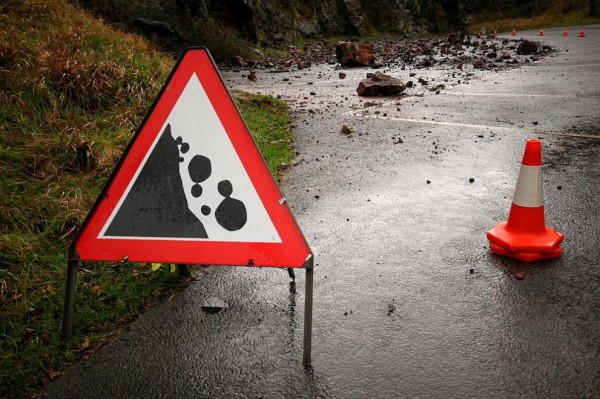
529 191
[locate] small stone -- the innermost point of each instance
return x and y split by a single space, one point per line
214 305
471 180
520 275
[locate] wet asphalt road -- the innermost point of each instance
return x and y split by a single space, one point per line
409 302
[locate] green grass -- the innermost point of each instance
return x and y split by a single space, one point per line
268 120
72 93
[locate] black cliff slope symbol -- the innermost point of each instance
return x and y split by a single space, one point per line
156 205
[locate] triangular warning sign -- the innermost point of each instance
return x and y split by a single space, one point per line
192 186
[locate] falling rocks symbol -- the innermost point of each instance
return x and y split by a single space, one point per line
156 205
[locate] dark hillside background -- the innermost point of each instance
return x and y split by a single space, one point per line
174 24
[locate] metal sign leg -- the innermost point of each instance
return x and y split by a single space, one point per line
69 304
308 305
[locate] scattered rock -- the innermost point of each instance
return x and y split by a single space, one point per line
352 54
527 48
214 305
520 275
342 75
252 76
238 61
456 38
437 87
380 85
479 64
346 130
391 307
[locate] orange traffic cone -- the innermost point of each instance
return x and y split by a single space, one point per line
495 33
541 32
513 33
525 235
581 33
565 32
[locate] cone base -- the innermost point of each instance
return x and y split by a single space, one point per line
525 256
545 241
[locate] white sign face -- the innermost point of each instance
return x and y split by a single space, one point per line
225 181
215 185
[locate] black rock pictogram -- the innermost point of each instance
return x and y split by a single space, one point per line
231 213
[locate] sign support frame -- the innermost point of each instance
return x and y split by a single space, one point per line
69 302
308 308
71 283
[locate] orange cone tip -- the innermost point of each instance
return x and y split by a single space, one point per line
513 33
565 32
525 235
541 32
581 33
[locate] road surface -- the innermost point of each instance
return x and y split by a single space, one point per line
409 302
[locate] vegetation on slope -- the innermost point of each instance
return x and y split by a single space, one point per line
508 15
72 92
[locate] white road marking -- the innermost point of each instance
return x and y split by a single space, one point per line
475 126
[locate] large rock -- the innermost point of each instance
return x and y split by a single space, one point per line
352 54
526 48
456 38
380 85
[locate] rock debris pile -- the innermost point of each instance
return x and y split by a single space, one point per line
455 51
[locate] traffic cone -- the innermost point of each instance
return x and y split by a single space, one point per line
541 32
581 33
525 235
565 32
513 33
495 33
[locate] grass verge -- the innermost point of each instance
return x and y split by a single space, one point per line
72 92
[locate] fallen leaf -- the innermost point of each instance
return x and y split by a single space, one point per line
53 374
155 266
46 289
